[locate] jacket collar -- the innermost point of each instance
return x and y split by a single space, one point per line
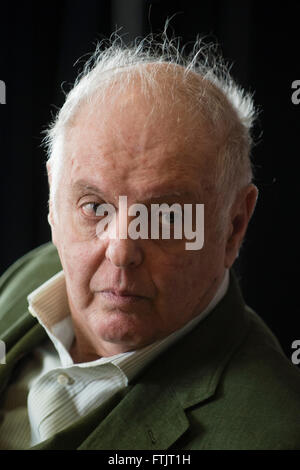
28 341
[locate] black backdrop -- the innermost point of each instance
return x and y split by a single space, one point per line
39 44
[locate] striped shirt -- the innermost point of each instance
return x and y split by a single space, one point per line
51 391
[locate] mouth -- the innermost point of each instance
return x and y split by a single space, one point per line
121 298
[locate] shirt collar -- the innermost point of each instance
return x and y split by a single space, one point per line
49 304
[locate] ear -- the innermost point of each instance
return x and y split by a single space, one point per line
51 212
240 216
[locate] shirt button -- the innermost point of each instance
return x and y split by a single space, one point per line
64 379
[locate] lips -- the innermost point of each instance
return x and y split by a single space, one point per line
122 293
121 297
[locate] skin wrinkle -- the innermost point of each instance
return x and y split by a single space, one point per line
126 147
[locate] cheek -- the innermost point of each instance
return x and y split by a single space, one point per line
80 261
184 280
176 276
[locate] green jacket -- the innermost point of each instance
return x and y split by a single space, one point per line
225 385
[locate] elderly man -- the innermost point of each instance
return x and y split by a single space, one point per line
137 342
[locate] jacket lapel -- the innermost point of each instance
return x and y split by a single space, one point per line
23 346
148 417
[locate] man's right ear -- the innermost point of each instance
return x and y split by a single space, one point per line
50 213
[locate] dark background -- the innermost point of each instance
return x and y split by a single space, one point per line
41 41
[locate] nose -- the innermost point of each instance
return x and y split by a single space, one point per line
124 253
121 250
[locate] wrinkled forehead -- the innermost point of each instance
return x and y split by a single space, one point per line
140 113
128 132
151 95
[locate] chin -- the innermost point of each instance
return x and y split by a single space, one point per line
122 330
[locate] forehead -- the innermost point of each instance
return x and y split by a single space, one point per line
127 143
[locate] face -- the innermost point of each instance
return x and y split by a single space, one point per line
125 148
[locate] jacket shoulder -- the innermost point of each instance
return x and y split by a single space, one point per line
21 278
257 402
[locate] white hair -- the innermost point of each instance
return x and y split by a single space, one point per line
202 75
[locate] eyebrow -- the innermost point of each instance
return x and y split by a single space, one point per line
81 185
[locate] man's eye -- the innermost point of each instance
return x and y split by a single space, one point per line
170 217
90 209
